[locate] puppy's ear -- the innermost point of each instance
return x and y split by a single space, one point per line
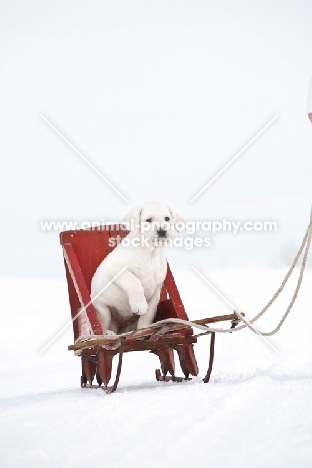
175 215
133 219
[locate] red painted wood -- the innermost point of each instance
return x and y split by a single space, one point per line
84 326
73 300
187 359
81 290
166 358
89 369
163 294
104 367
191 360
166 310
90 246
174 295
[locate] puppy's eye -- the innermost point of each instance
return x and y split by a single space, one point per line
149 220
167 218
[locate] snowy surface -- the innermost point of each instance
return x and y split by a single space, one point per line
255 412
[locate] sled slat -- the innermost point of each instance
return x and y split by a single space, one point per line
81 288
174 295
105 365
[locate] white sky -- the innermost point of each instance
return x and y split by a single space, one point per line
159 95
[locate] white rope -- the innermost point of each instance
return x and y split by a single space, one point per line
305 243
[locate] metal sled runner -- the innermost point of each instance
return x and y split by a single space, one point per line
83 251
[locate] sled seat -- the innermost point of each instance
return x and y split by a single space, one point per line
83 252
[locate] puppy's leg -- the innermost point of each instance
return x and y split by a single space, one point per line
105 318
147 319
132 286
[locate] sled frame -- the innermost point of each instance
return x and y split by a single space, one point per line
83 251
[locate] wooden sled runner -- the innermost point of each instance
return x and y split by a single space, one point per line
83 251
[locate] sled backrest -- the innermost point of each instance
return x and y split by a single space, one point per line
91 247
84 250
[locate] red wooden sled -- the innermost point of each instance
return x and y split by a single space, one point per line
83 251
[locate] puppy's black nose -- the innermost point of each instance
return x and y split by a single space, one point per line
161 233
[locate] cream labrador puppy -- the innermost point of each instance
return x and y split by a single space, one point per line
131 300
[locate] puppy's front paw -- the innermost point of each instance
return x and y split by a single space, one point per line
109 333
139 306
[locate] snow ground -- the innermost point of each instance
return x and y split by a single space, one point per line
255 412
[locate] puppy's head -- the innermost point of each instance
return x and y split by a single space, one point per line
154 221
